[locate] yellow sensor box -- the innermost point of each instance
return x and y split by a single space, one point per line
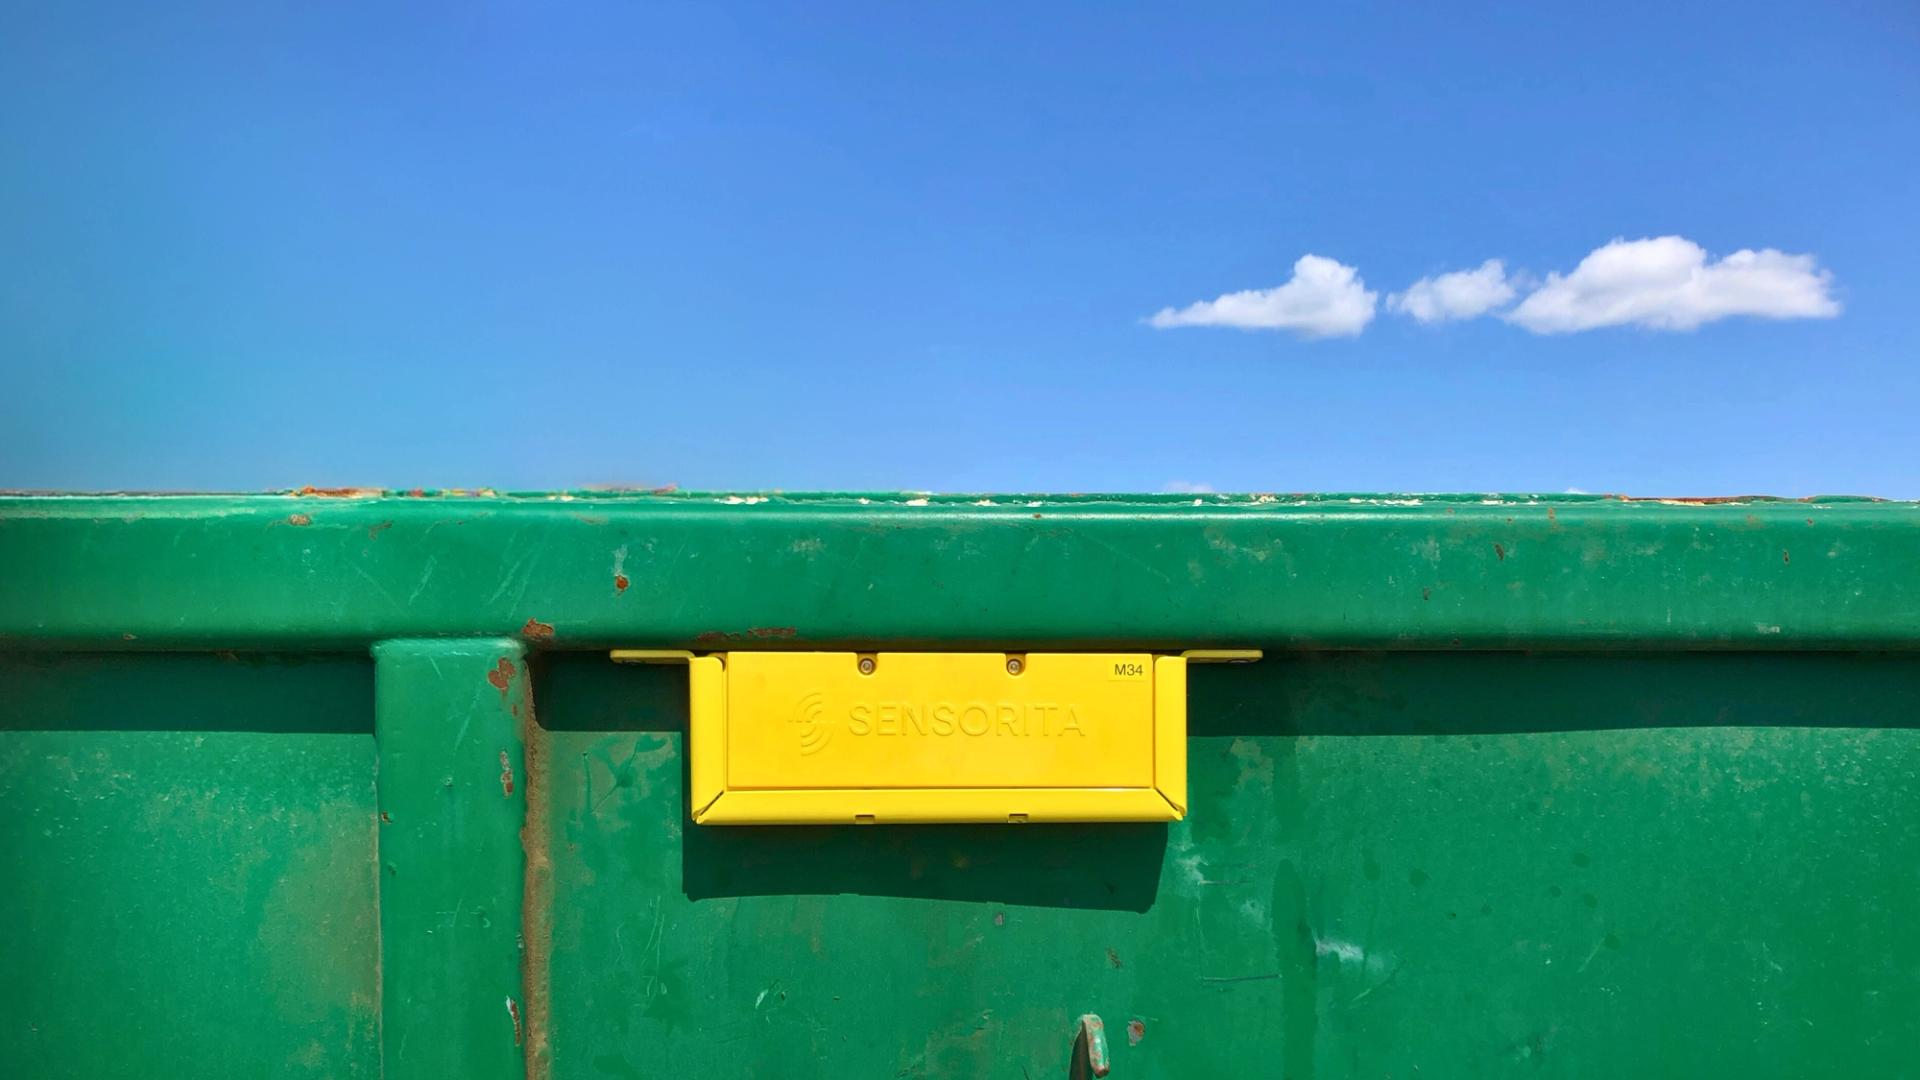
873 738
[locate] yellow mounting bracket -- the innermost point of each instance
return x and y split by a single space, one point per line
879 737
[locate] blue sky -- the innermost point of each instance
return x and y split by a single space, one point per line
920 246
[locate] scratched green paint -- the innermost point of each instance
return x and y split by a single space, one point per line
1364 572
452 793
187 887
1397 865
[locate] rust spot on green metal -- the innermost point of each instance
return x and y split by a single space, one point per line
1089 1048
341 492
535 630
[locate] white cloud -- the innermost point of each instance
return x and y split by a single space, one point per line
1462 294
1325 298
1666 283
1184 487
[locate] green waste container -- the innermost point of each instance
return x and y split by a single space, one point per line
349 784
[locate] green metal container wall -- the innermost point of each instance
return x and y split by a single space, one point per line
347 786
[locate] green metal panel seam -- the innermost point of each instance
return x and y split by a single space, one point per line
449 717
282 572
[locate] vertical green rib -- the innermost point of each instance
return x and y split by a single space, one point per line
447 715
